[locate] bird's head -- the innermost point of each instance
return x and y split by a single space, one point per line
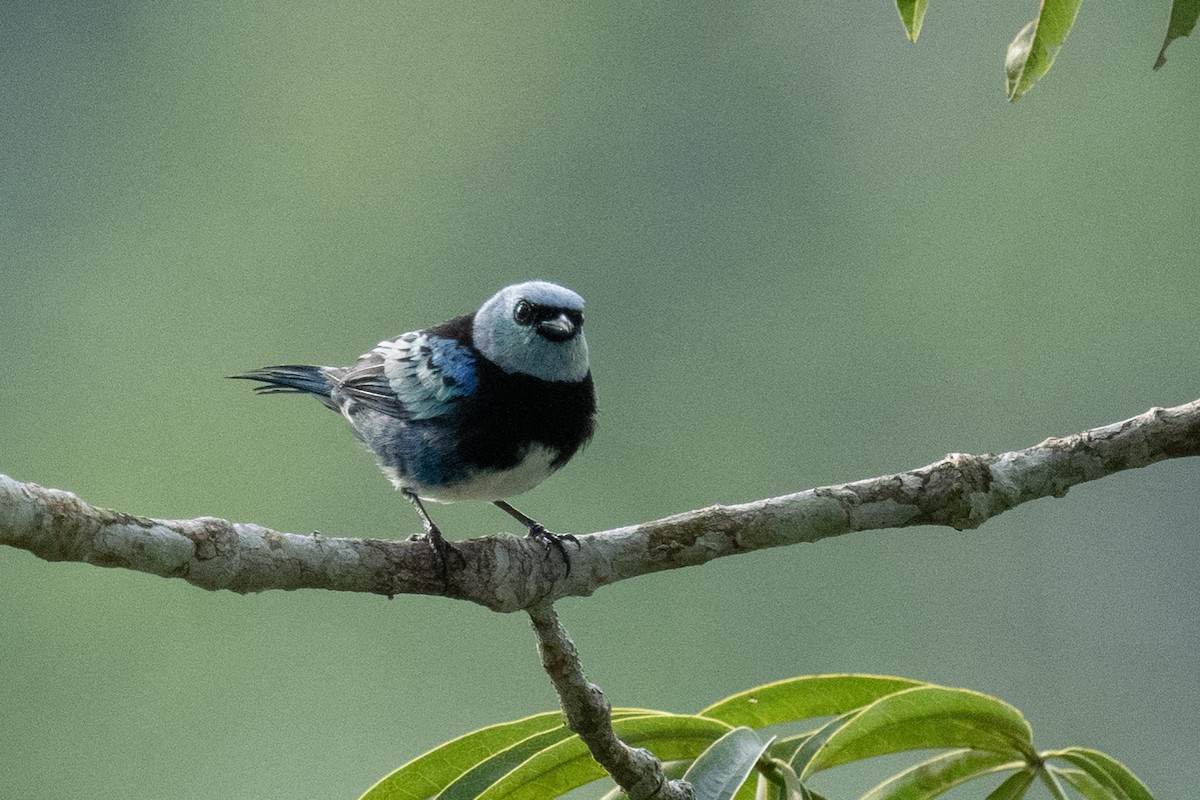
534 328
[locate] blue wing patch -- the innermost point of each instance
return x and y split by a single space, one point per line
417 376
426 373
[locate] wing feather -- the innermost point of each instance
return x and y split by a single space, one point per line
417 376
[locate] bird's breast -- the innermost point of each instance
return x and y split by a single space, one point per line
537 463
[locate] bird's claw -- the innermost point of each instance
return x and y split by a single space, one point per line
442 551
554 541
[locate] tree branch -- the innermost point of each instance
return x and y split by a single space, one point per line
589 714
509 574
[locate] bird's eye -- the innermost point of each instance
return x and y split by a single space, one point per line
523 313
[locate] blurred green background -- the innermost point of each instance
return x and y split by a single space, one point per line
811 252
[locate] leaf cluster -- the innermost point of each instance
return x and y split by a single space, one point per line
725 751
1034 48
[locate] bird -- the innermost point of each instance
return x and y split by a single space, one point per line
484 406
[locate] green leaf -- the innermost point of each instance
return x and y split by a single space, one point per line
803 698
749 788
807 746
722 769
485 773
774 791
614 793
912 14
472 761
926 717
1014 787
785 748
1049 778
1083 783
1032 52
472 782
1184 14
1114 776
428 774
568 764
940 774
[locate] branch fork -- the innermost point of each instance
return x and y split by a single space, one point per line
508 574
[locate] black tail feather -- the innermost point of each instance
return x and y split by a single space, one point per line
289 379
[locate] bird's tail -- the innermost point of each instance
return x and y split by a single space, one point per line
290 378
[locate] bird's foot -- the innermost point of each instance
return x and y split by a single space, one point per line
550 541
443 551
553 541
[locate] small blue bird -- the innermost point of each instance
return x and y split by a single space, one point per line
481 407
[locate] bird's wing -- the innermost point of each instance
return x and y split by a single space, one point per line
417 376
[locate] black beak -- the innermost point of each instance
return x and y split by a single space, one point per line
557 329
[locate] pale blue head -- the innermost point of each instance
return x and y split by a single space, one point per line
534 328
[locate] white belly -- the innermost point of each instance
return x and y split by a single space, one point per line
487 484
